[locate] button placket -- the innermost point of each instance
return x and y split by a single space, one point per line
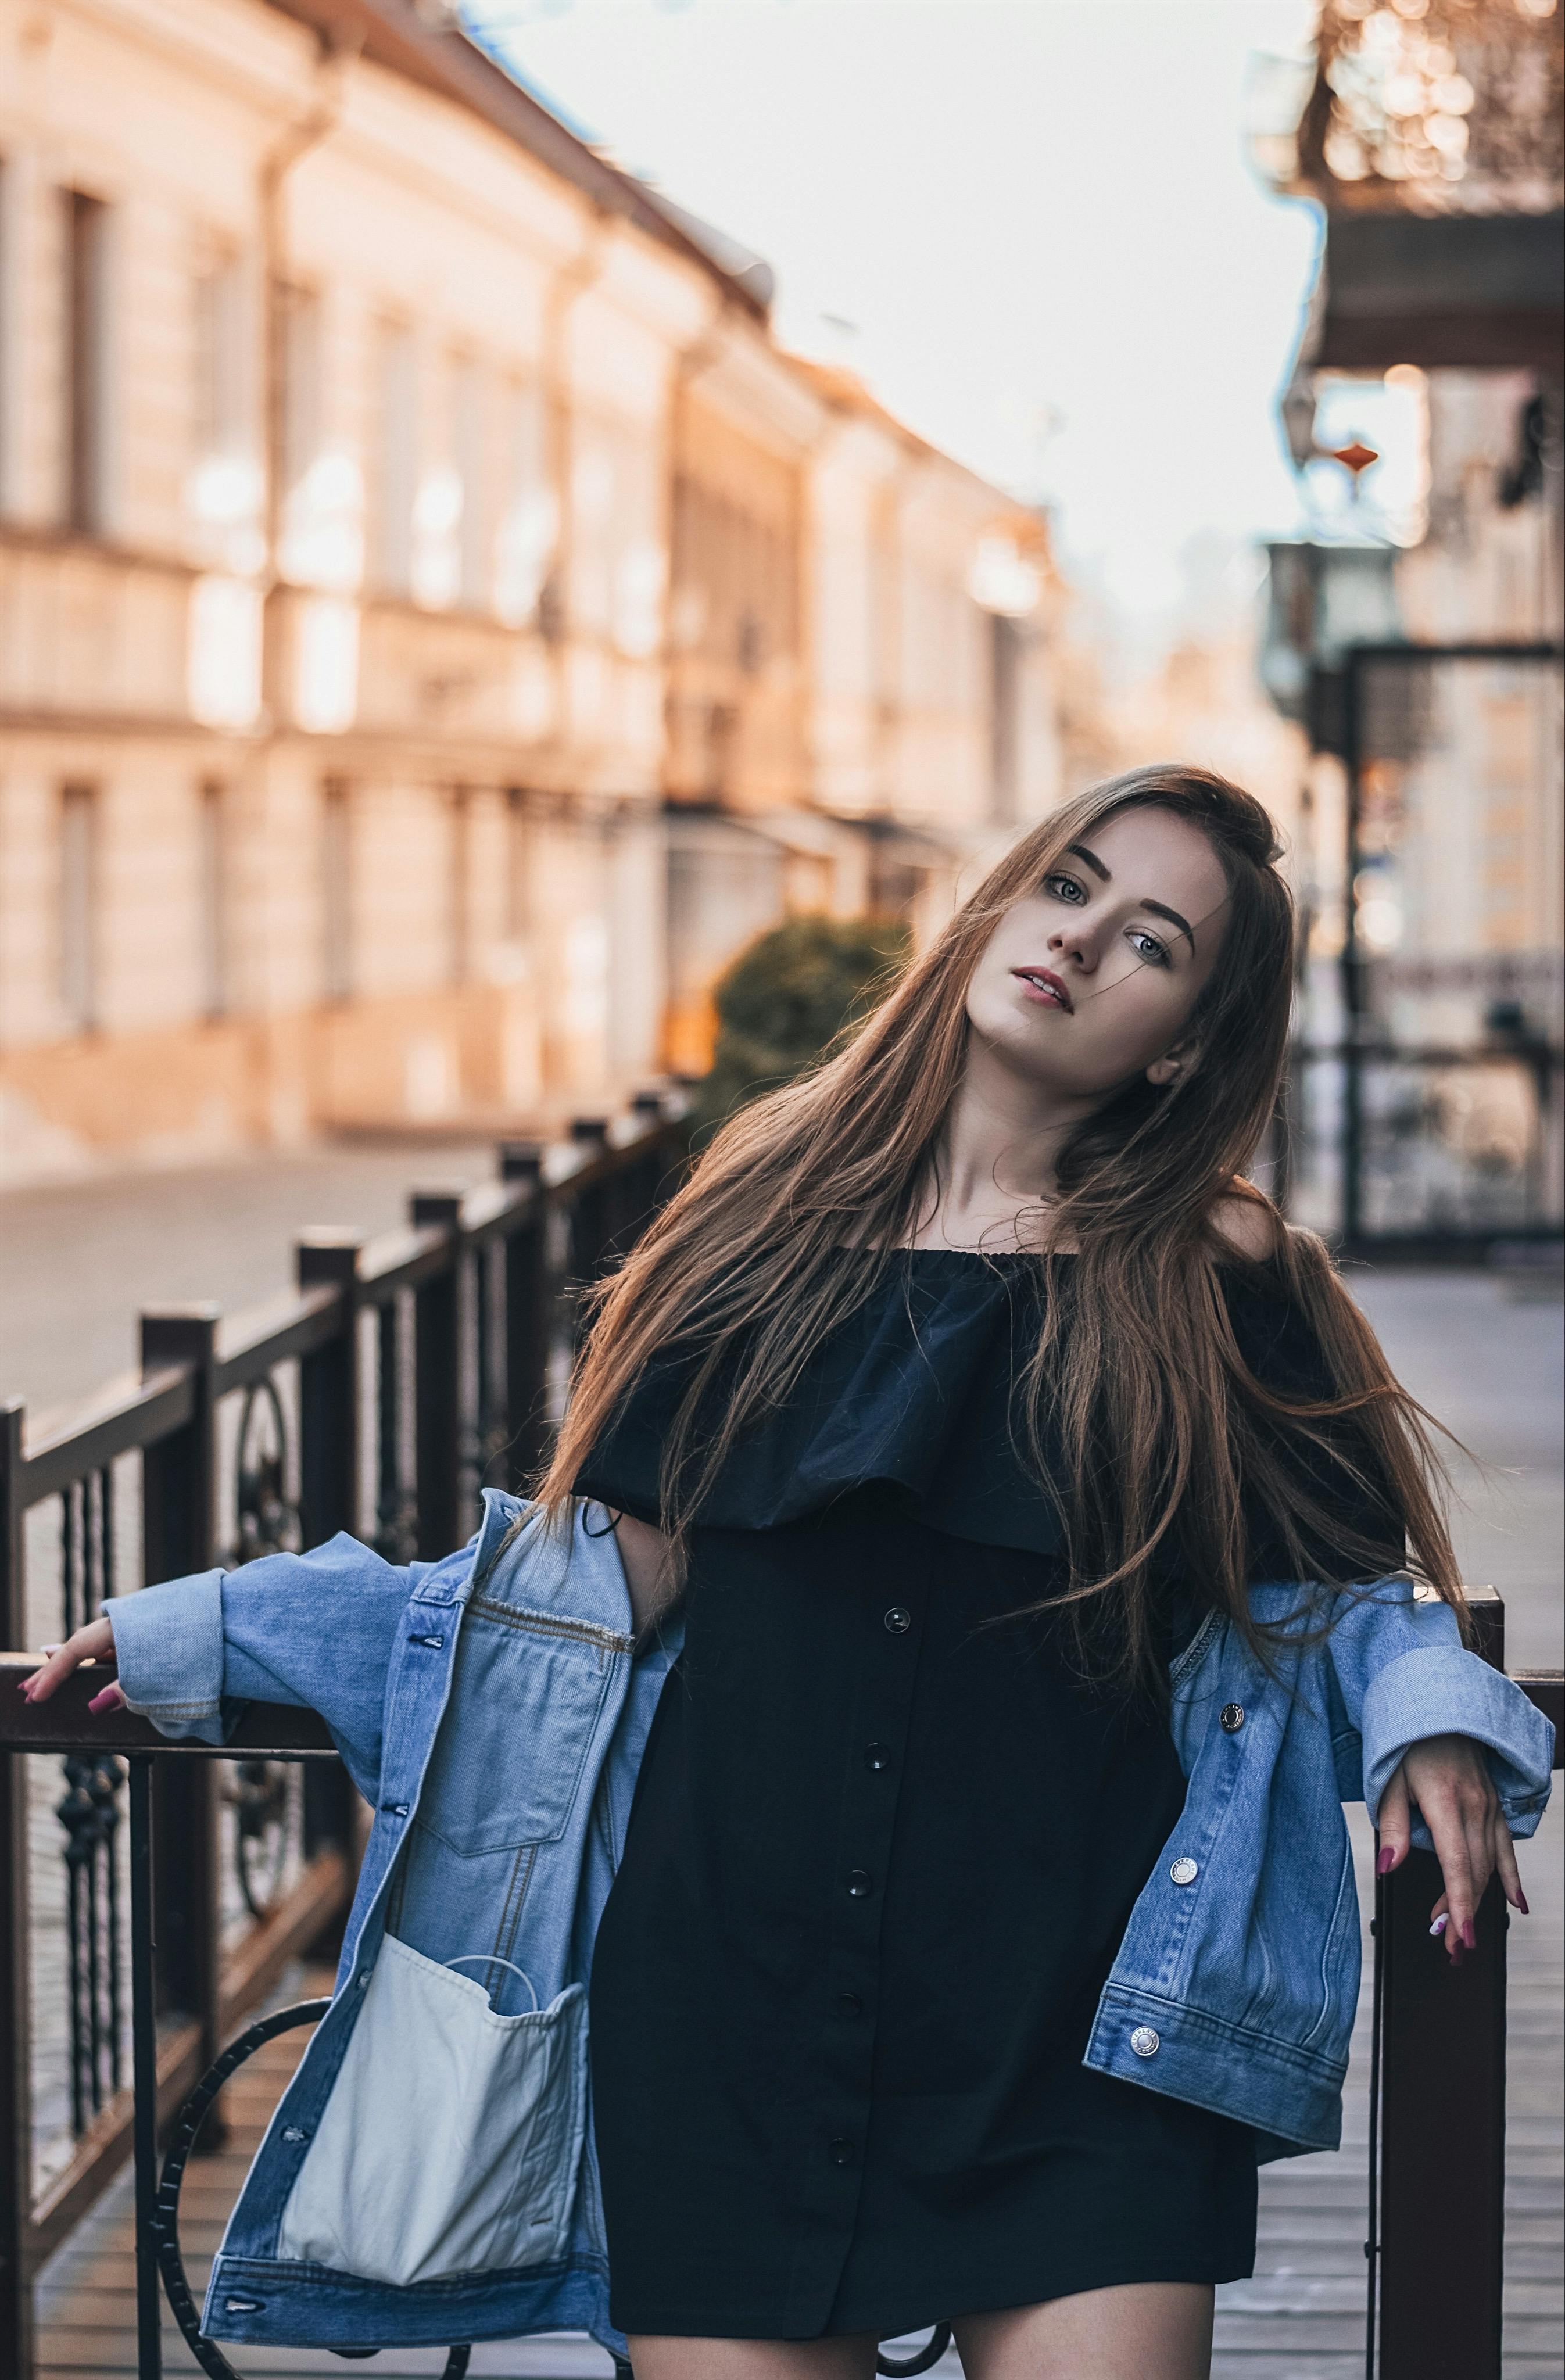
867 1805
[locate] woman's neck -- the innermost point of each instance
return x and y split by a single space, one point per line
996 1166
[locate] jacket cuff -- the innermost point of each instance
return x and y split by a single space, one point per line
168 1641
1443 1690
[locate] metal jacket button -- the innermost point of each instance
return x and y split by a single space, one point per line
1230 1718
899 1620
877 1756
1184 1871
292 2134
859 1883
1145 2042
434 1642
395 1809
840 2152
849 2004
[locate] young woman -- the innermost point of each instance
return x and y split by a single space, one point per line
963 1401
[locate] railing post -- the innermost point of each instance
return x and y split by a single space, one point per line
328 1392
329 1473
528 1319
179 1534
1442 2053
15 2016
437 1384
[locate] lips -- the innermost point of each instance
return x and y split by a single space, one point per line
1043 985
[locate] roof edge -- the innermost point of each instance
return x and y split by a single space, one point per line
442 57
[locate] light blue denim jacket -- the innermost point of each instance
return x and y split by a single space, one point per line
489 1708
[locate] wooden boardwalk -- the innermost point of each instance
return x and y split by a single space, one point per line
1300 2318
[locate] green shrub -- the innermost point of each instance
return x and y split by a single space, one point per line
786 996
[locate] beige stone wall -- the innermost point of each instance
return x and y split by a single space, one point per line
364 624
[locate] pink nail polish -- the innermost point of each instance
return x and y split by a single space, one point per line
1522 1902
1468 1934
99 1700
1385 1862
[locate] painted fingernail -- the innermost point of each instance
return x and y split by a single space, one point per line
1385 1862
108 1699
1522 1902
1439 1925
1468 1934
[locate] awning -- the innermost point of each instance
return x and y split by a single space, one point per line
1441 291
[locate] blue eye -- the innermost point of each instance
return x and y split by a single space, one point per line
1064 888
1148 947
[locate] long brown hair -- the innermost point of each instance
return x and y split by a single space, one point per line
796 1208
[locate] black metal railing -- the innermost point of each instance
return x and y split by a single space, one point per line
401 1376
439 1355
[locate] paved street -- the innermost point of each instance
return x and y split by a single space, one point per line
76 1265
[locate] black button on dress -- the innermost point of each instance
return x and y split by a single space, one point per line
884 1848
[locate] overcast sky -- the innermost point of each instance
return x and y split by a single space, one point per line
1036 215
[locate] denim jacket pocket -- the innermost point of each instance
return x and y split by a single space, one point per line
471 2163
529 1686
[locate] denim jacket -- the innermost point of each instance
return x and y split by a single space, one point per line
439 2182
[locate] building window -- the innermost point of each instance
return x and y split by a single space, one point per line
301 422
220 408
79 907
459 895
85 360
475 571
518 865
530 526
216 906
336 891
396 460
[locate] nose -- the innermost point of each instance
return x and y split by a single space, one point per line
1073 942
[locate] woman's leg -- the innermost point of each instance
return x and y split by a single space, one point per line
753 2359
1148 2330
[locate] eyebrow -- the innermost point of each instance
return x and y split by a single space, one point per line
1157 908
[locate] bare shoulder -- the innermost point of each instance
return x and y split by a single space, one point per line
1248 1224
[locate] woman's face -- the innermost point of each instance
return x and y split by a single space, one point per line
1090 979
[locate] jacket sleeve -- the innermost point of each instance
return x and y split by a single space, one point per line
1399 1663
315 1628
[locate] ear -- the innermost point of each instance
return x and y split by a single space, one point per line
1173 1066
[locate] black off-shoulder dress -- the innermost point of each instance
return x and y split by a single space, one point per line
881 1858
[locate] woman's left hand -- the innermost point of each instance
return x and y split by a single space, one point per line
1449 1778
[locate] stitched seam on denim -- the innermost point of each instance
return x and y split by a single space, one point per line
1135 1999
1185 1662
1347 1887
515 1894
543 1624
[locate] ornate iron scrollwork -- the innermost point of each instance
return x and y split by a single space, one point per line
268 1517
268 1523
89 1814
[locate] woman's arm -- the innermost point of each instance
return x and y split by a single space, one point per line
316 1629
1452 1751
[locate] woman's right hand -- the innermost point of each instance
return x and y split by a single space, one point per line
93 1643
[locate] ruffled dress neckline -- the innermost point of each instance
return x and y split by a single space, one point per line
908 1400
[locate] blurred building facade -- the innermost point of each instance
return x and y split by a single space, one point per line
438 624
1419 639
